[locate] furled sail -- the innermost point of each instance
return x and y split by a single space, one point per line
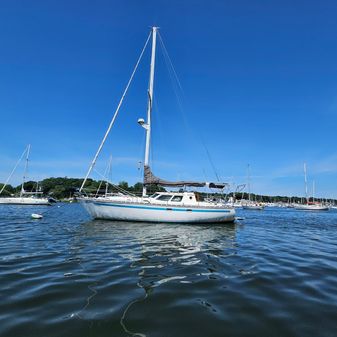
150 178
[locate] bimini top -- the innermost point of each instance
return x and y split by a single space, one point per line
151 179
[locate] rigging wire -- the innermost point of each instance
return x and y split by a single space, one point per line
210 158
115 115
16 165
118 188
165 52
106 172
173 76
176 84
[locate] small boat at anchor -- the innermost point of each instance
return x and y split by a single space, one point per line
253 206
24 198
310 206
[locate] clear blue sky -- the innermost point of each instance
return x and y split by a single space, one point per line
259 82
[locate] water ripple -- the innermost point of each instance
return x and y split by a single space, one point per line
272 274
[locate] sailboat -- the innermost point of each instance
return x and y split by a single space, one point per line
172 207
253 205
310 206
25 197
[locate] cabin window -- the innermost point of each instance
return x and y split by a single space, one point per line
177 198
165 197
155 195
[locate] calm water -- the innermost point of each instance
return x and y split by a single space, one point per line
272 274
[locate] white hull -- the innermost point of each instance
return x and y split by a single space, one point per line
24 201
235 205
312 207
258 208
145 212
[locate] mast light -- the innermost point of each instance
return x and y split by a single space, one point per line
141 121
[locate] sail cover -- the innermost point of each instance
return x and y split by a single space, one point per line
150 179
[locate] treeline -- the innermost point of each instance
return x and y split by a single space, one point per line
268 198
61 188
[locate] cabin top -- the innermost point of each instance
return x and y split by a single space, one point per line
176 197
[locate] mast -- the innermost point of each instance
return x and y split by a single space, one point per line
313 191
25 172
108 176
147 126
305 181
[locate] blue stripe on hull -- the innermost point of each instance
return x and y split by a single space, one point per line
163 208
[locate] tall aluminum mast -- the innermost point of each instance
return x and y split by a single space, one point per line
305 181
25 172
248 174
149 104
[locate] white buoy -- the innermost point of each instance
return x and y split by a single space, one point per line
37 216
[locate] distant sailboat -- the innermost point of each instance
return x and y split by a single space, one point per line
173 207
252 205
24 198
310 206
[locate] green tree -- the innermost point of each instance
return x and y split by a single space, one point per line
8 191
124 185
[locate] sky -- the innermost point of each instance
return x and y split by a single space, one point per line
257 85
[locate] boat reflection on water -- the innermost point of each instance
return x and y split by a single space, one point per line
149 240
157 257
